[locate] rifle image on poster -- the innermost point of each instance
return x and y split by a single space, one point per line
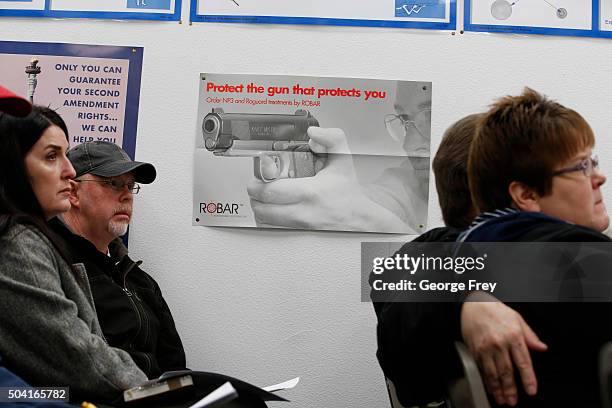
278 143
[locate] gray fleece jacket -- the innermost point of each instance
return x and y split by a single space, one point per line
49 331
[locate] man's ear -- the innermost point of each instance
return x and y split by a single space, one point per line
74 194
524 197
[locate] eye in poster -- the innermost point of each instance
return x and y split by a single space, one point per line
314 153
169 10
94 88
423 14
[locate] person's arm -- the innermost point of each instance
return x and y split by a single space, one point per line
499 339
49 336
170 352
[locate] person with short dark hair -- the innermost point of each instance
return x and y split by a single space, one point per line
415 339
533 176
450 170
518 159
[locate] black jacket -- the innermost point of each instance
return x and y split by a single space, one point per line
415 340
574 332
131 309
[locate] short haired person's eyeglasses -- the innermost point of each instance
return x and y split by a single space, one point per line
586 166
396 124
116 184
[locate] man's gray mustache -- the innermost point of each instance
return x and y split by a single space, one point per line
127 209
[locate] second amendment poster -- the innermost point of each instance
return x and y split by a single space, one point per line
95 88
315 153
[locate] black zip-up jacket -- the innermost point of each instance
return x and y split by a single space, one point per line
132 311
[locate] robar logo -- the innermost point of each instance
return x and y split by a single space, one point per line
219 208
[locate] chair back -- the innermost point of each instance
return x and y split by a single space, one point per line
393 395
605 374
467 391
464 392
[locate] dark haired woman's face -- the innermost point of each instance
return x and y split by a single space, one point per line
50 171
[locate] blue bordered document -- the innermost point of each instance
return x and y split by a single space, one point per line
96 88
169 10
424 14
581 18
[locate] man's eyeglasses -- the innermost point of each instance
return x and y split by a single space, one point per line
397 124
586 166
116 184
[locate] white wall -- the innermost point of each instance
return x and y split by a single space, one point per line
269 305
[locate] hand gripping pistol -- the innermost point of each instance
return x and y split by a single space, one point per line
278 143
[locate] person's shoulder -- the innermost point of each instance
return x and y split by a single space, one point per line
120 253
25 240
20 233
442 234
436 235
14 231
563 232
526 226
143 276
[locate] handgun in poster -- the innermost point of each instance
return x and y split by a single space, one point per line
278 143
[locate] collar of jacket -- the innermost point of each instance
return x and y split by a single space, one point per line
483 218
117 250
504 225
82 250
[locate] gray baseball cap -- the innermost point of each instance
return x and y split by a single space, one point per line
106 159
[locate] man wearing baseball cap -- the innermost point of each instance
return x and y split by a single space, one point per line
129 303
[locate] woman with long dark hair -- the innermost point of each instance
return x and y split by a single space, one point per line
50 334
